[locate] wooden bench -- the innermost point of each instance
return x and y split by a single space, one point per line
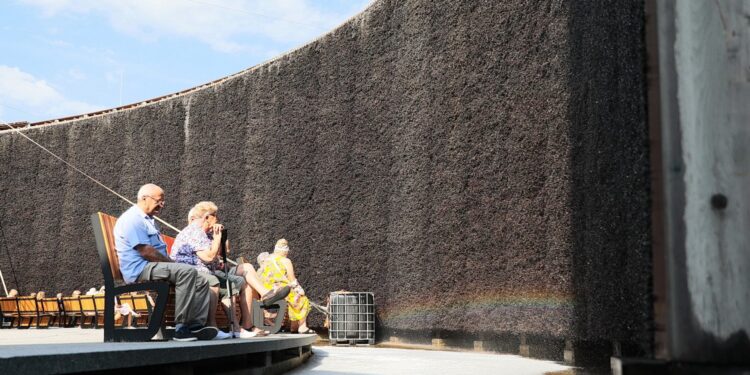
92 310
9 311
103 226
49 312
27 311
71 311
139 304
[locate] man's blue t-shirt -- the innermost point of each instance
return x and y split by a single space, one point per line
135 228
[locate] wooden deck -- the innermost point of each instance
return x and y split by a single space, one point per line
74 350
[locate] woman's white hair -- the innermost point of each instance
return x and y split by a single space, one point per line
202 209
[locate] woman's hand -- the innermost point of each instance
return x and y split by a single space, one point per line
216 229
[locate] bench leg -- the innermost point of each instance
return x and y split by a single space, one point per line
258 320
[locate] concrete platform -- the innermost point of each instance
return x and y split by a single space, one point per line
73 350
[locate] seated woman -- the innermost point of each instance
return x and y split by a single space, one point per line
198 245
277 270
124 309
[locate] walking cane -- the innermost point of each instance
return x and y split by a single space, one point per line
229 282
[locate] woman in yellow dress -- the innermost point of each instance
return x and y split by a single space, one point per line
277 270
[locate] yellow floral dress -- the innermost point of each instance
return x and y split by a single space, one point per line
274 274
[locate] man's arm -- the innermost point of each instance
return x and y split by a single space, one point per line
150 253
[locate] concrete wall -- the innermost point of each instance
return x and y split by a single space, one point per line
480 166
706 89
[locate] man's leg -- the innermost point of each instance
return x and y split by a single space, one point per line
213 299
199 305
191 291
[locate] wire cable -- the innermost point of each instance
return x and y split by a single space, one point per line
90 178
83 173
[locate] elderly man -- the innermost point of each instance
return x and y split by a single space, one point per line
143 256
198 245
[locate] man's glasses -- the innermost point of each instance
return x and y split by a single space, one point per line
158 201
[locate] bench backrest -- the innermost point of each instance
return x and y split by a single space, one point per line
107 223
107 238
125 298
99 302
8 306
49 305
88 307
71 305
140 303
27 306
169 241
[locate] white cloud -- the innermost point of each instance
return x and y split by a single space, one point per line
222 24
35 97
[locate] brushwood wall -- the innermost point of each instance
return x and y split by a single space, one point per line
481 166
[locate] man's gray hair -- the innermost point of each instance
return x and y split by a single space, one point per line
147 190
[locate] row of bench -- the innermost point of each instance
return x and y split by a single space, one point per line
86 311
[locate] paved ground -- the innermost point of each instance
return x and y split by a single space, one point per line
338 360
51 335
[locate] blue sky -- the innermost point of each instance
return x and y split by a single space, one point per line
66 57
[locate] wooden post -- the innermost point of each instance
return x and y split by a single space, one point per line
438 343
568 353
523 349
479 346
